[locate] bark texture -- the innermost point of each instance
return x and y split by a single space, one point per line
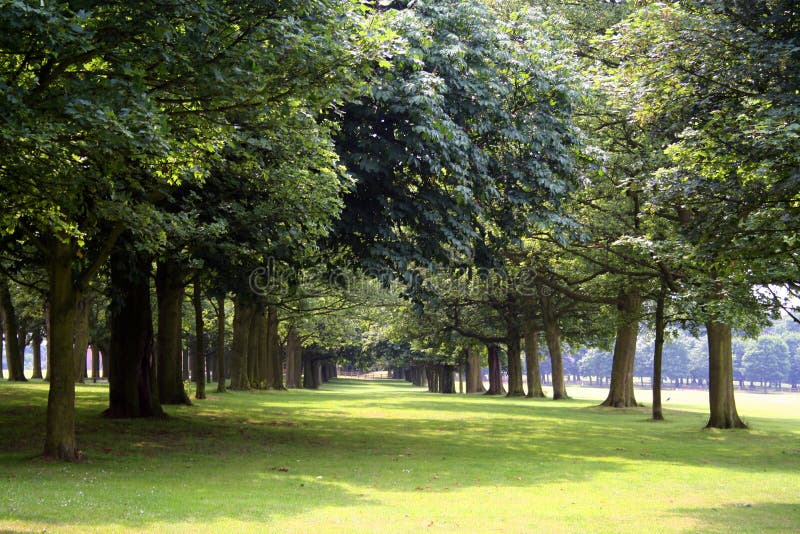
14 358
658 352
473 364
531 335
170 294
36 341
515 388
221 376
132 388
552 333
294 354
200 340
722 403
495 371
241 338
62 297
620 393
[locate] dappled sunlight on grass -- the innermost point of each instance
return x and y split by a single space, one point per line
363 456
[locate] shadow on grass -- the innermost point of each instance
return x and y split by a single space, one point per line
267 454
730 517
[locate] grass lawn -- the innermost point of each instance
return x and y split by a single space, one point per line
361 456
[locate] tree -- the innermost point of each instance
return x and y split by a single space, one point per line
767 361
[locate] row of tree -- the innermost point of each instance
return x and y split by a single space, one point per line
514 171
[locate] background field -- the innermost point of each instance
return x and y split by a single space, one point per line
362 456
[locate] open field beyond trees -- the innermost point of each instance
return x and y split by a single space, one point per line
362 456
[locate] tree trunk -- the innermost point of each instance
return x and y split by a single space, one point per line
37 353
221 344
48 329
310 377
658 352
474 378
531 336
132 391
170 294
722 403
241 341
446 382
62 297
14 359
495 371
274 370
95 362
515 388
620 394
81 337
200 347
257 348
552 333
294 353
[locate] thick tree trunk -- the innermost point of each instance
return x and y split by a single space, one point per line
37 353
200 340
14 359
473 365
658 352
531 336
552 333
446 383
620 394
132 391
311 374
81 337
170 294
62 297
515 388
221 344
722 403
241 340
274 370
294 354
495 371
433 378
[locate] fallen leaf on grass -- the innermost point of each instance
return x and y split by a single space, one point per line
281 469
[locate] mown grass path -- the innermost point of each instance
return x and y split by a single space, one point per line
362 456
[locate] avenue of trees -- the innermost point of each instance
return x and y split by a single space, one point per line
256 190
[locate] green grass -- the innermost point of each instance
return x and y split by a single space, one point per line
368 456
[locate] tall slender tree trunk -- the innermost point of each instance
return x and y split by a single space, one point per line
311 374
62 297
37 353
14 360
722 403
131 380
552 333
495 371
257 348
620 394
48 323
294 353
81 337
531 336
95 362
200 348
221 343
241 340
170 293
658 353
515 388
